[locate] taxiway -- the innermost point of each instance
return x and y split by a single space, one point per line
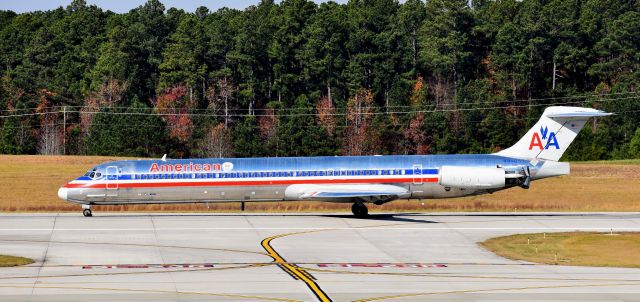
298 257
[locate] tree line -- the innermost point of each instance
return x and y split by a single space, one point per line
296 78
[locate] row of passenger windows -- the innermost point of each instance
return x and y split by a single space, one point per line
269 174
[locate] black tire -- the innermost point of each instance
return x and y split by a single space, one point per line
359 210
87 213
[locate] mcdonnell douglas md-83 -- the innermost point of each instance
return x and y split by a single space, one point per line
351 179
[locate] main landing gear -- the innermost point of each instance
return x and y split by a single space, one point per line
86 210
359 209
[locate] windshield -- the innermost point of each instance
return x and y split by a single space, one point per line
93 173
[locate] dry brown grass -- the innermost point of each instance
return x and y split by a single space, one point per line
30 183
575 248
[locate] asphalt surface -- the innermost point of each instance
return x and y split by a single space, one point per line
298 257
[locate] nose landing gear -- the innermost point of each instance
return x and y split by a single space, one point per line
359 209
86 211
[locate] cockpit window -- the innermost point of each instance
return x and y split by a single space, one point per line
92 174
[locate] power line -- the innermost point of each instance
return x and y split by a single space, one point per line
316 114
465 122
79 107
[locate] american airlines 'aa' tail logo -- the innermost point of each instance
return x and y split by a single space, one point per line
548 137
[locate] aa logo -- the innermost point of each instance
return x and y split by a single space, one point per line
548 137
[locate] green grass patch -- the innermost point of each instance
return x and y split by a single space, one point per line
575 248
6 260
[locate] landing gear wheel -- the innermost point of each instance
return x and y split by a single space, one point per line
87 213
359 210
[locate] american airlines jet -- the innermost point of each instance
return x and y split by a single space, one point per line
348 179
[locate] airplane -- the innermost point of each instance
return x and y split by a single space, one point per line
358 180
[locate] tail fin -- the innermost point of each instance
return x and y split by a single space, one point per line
552 134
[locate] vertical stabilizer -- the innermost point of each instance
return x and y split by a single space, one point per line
550 137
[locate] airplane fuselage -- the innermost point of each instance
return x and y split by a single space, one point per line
274 179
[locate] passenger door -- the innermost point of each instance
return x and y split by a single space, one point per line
111 177
417 174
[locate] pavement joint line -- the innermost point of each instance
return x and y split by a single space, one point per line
337 229
248 297
136 244
44 257
155 235
486 290
322 264
455 275
136 273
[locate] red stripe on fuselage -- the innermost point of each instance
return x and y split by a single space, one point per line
248 183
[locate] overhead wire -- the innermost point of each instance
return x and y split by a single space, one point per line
79 107
363 111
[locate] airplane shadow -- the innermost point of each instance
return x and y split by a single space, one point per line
399 217
404 217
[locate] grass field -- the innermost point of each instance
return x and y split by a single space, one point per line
30 183
6 261
577 248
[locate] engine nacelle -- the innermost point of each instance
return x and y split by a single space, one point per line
472 177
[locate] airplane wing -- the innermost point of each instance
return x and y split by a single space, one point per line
346 193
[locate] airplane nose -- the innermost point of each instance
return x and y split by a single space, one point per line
62 193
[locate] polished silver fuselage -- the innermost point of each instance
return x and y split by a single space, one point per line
280 179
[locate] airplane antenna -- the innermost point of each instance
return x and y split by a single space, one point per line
164 157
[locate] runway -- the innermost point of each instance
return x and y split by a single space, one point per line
298 257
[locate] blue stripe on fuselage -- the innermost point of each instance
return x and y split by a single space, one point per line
429 163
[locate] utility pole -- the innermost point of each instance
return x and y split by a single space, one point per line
64 130
553 85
